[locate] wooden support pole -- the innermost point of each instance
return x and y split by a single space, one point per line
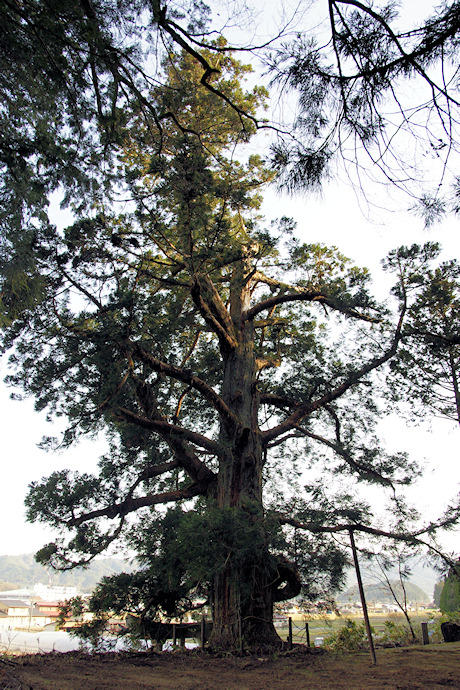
174 640
290 634
363 598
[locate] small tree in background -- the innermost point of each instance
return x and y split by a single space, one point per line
437 593
397 588
450 594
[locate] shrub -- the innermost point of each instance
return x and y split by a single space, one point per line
349 638
396 635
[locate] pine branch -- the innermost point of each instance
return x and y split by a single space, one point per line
406 58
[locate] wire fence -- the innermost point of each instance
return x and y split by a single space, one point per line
314 632
292 631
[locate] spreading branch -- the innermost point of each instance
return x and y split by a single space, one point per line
351 380
307 296
408 537
365 470
131 505
190 379
170 430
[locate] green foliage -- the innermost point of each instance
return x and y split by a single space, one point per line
450 595
434 625
92 630
351 82
396 635
181 553
437 593
426 370
350 638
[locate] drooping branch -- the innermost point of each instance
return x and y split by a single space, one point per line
338 448
406 58
408 537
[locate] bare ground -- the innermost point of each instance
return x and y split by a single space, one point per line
431 667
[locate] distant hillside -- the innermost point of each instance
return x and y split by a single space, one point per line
25 572
381 592
421 574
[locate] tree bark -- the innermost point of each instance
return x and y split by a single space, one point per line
243 608
243 589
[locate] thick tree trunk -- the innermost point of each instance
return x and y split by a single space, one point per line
243 590
243 608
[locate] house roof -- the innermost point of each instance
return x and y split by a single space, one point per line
6 605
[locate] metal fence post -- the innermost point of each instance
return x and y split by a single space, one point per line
290 633
307 633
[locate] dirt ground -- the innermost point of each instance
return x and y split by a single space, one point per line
434 666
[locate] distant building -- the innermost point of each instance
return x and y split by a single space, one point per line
23 594
54 592
39 591
15 613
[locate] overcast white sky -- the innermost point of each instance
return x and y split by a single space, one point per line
337 219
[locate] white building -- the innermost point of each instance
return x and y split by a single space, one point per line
54 592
